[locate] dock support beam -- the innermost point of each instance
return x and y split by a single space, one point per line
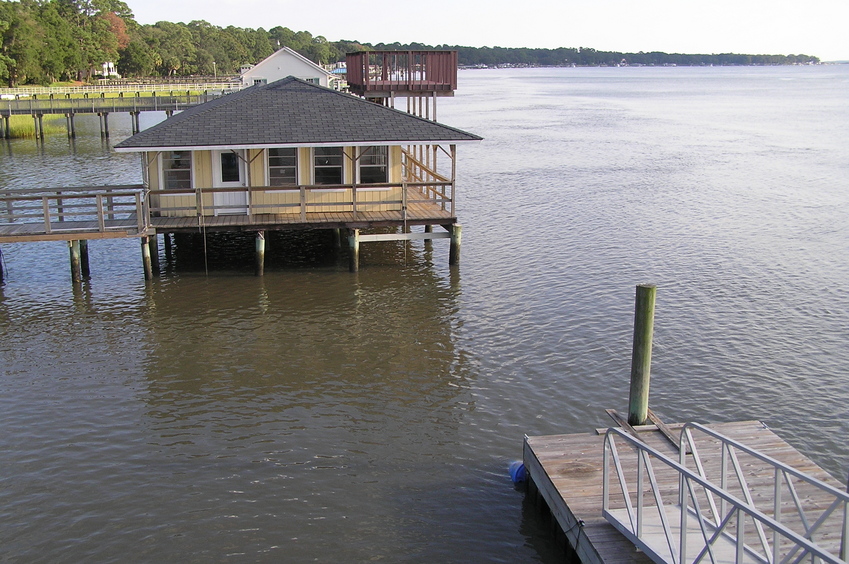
148 267
76 263
354 243
153 243
1 266
104 124
85 268
134 120
260 253
454 251
638 404
72 128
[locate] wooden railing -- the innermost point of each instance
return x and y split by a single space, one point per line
90 209
96 89
134 102
305 199
411 71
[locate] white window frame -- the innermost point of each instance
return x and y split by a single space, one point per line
161 169
297 166
312 162
363 149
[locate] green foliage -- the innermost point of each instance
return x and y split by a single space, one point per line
42 41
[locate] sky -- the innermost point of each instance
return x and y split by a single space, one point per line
780 27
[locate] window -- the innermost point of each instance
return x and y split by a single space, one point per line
230 168
177 170
282 167
328 165
373 165
260 81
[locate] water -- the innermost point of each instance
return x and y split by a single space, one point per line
318 415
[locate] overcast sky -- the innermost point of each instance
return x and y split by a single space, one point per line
812 27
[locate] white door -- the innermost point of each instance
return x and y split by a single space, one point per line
228 171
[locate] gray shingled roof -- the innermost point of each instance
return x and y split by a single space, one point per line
290 112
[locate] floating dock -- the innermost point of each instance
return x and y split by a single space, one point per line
568 473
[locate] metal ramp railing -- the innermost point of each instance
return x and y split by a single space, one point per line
740 520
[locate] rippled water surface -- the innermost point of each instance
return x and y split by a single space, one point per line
318 415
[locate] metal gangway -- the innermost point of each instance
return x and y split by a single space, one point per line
732 503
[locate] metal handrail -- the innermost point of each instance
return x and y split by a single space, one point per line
691 484
782 474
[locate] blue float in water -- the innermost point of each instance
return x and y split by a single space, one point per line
518 473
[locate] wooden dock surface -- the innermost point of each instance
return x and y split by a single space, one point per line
567 472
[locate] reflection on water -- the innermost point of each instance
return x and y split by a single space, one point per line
314 414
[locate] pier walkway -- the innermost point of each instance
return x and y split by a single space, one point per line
740 496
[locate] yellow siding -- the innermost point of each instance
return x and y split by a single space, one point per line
395 172
201 169
152 162
256 158
305 165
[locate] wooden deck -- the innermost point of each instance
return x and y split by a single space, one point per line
566 471
419 213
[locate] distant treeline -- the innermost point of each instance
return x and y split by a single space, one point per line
44 41
584 56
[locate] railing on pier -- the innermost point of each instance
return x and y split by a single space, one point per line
80 209
720 532
404 71
421 169
24 91
173 101
302 200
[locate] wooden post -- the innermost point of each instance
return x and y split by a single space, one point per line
148 267
76 268
454 251
85 269
73 130
638 404
1 266
337 238
354 242
260 253
8 129
153 243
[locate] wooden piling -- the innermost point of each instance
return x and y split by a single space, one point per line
2 275
260 253
454 250
85 268
72 131
148 267
76 265
153 243
354 243
638 403
337 238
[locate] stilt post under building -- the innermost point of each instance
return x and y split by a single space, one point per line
85 268
638 403
456 238
260 253
354 243
76 265
148 267
153 243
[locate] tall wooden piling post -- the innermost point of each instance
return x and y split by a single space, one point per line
1 266
85 268
638 403
148 267
153 243
260 253
354 243
454 251
76 264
